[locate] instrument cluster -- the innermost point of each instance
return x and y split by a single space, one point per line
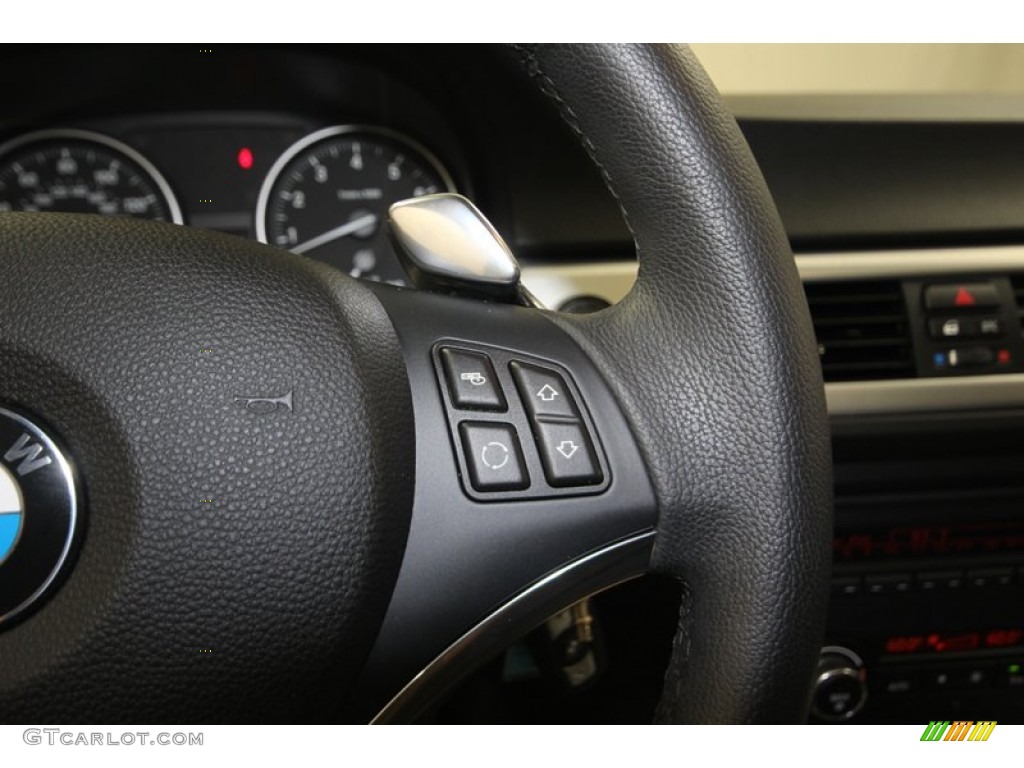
323 192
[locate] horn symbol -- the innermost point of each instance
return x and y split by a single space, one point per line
264 405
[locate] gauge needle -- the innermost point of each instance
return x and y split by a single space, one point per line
333 234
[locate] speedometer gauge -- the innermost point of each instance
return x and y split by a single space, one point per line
328 197
71 171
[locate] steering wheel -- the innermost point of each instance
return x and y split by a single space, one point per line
350 545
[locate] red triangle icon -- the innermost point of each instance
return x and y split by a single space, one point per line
963 298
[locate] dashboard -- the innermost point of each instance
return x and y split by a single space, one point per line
908 234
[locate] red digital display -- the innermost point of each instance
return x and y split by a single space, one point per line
1003 638
953 643
929 541
907 644
964 641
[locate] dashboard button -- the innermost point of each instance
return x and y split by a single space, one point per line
493 456
1012 674
990 326
931 580
846 586
941 678
543 391
567 454
897 681
977 677
952 327
471 380
888 583
990 577
961 296
969 357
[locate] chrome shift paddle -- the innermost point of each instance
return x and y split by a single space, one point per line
446 244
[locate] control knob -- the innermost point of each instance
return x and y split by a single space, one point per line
839 686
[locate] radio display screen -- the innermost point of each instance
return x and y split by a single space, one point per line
915 541
934 642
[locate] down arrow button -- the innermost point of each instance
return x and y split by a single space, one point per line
566 453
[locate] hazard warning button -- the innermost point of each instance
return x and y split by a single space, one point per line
961 296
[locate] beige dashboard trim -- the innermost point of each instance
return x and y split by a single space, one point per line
861 398
553 285
909 264
888 107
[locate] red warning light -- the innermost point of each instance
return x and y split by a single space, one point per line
245 158
1003 357
964 298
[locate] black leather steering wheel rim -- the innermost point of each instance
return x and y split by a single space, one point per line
740 455
240 566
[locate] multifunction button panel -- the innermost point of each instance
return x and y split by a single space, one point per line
519 425
965 327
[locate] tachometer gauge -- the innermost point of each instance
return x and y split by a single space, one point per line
71 171
328 197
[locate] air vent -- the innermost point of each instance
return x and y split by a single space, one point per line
862 330
1017 281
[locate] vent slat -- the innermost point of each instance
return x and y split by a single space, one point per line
857 320
877 298
862 330
867 342
892 365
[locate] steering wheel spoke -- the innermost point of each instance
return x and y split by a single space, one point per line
530 491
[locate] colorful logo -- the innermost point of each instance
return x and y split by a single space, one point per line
39 514
960 730
11 511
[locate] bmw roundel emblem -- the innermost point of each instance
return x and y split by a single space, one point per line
39 513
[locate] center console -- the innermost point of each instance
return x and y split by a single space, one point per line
928 576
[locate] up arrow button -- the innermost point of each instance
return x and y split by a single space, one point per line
543 391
